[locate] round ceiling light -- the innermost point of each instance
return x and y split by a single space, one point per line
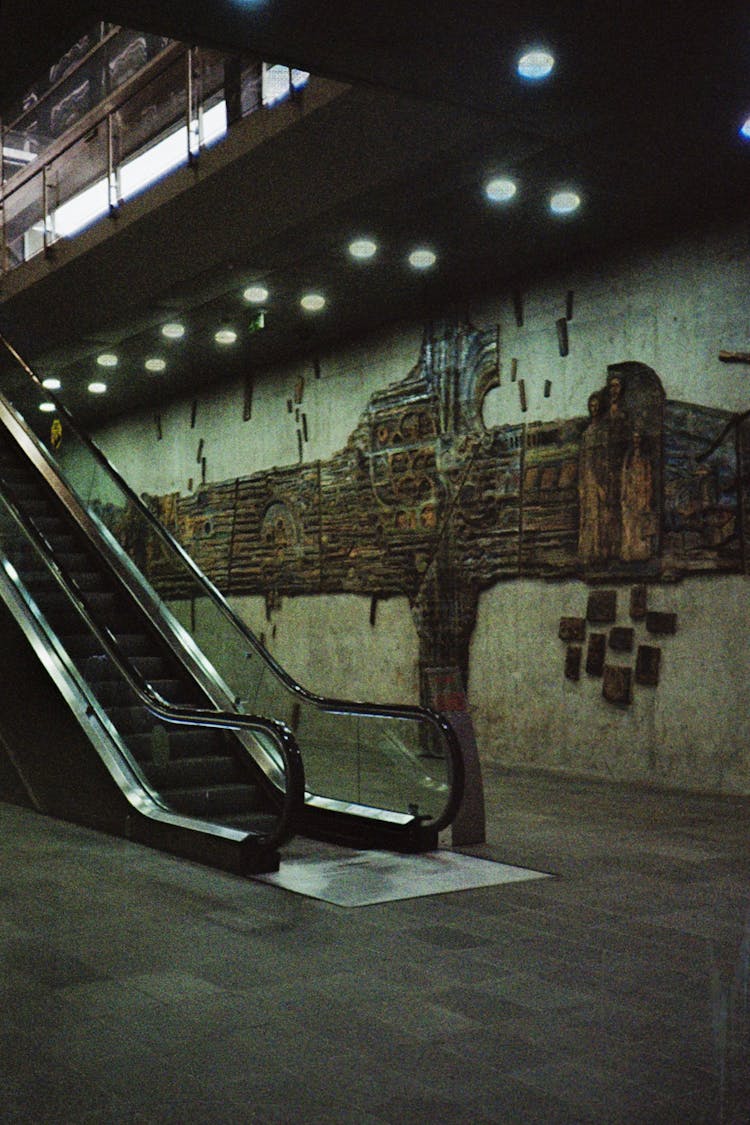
155 364
255 294
97 388
564 202
173 330
51 384
745 129
225 336
500 189
313 302
47 407
363 249
107 359
536 64
422 258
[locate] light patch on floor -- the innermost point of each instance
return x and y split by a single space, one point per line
364 878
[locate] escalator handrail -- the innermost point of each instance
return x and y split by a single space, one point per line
366 710
293 796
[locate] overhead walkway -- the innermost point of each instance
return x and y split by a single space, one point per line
118 713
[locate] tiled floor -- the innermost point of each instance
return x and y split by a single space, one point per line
138 988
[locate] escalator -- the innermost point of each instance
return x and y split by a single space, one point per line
200 743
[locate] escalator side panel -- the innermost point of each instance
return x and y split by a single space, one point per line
63 775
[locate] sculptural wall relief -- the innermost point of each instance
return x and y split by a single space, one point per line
435 505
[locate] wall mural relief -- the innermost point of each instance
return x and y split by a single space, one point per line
428 502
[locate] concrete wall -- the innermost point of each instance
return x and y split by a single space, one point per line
672 306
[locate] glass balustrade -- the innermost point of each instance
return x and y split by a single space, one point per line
401 759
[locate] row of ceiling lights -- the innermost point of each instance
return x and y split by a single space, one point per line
533 66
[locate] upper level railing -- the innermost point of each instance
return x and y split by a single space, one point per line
118 114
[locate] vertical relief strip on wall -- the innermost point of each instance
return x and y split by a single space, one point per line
247 400
562 335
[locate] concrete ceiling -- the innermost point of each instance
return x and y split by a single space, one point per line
641 114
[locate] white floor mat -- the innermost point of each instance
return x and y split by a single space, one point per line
364 878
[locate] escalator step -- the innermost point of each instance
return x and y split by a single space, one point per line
214 799
36 580
182 773
118 693
73 562
261 823
184 742
96 665
83 645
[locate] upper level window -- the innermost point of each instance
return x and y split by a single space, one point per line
279 81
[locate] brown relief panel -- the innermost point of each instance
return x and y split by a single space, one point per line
595 654
602 607
621 639
661 624
573 662
572 629
647 665
638 602
617 684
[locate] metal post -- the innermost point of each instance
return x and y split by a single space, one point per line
45 209
112 194
189 111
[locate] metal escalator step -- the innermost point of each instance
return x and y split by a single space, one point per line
36 580
258 822
182 773
133 719
73 562
97 667
116 692
84 645
213 799
184 742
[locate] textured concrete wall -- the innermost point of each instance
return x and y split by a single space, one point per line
691 731
672 306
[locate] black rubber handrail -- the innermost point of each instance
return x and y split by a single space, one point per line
349 707
293 796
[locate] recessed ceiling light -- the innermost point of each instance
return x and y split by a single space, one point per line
422 258
107 359
47 407
97 388
155 364
313 302
256 294
173 330
51 384
500 189
225 336
745 129
363 248
564 202
536 64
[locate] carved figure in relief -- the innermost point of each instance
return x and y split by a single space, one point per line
637 499
618 442
592 484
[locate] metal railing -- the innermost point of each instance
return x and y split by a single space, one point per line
75 149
